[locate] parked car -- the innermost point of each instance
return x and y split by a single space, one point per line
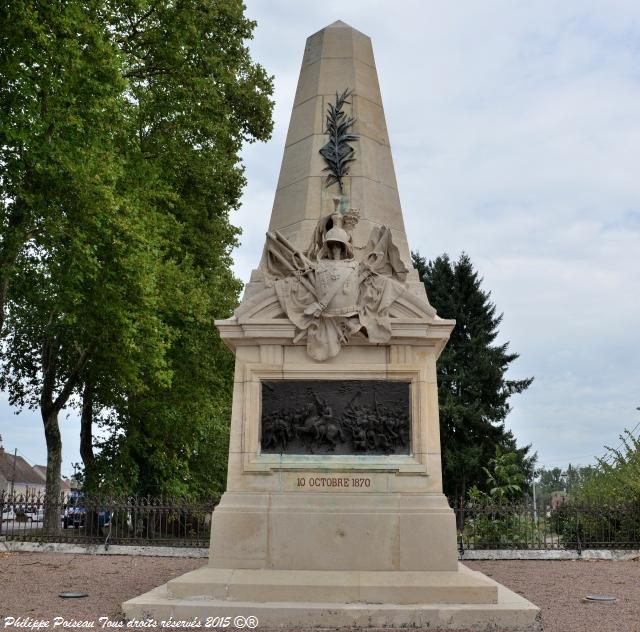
74 516
8 514
35 514
76 512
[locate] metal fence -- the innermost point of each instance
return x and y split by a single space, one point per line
157 521
165 521
567 525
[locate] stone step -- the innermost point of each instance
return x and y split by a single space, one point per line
511 613
398 587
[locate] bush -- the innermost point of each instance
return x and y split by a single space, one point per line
500 526
597 526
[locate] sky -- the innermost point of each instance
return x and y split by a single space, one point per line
515 132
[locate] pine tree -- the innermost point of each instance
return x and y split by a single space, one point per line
473 389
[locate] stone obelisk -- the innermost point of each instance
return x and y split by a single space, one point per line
335 58
334 513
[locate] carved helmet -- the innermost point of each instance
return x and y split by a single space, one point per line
337 234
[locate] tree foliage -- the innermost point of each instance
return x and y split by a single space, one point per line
616 479
473 388
504 479
121 127
553 480
602 503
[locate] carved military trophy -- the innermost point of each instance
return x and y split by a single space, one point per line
334 513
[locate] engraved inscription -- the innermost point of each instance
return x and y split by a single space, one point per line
334 481
335 417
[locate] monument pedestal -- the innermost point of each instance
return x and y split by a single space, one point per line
331 540
296 600
334 513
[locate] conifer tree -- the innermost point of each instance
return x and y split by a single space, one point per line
473 389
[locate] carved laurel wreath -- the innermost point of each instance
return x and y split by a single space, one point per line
338 153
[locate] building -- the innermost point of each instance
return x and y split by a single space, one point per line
18 476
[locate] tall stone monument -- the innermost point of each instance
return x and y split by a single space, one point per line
334 513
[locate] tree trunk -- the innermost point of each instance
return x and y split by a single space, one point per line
54 468
86 439
50 407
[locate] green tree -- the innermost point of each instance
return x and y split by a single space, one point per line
505 523
606 498
551 480
504 476
473 389
173 438
61 100
120 135
200 98
616 479
558 480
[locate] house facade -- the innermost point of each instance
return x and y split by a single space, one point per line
17 476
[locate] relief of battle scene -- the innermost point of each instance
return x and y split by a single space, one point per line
335 417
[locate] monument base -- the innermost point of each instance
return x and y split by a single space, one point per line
462 599
335 531
332 559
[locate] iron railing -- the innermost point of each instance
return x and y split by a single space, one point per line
157 521
166 521
547 526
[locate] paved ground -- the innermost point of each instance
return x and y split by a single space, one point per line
30 583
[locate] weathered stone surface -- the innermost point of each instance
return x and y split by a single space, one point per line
334 586
507 612
337 58
328 293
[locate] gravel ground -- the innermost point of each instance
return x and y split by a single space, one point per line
30 583
557 588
